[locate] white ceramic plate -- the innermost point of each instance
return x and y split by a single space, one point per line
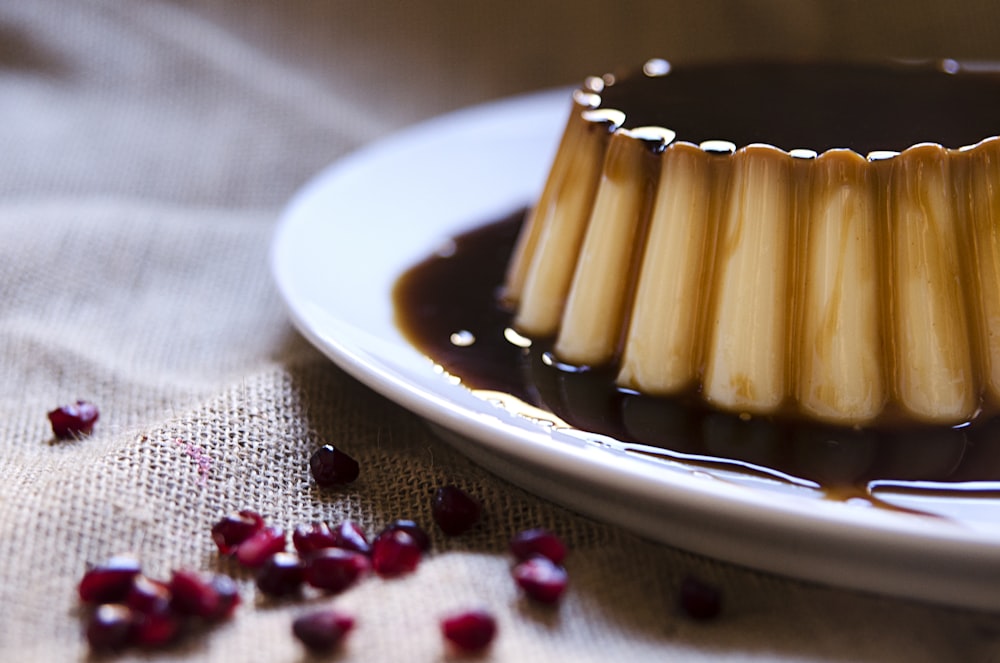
347 236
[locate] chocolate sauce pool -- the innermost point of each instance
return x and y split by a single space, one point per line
449 307
814 105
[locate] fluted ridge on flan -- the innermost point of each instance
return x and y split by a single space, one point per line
837 286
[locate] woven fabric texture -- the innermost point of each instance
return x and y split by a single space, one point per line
146 150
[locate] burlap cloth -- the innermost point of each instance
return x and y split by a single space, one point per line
146 149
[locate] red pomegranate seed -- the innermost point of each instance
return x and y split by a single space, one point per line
148 596
234 529
394 553
194 594
541 579
109 582
313 537
454 510
333 467
155 629
110 628
281 575
322 630
73 420
258 548
538 542
411 528
350 536
336 569
700 600
229 596
469 632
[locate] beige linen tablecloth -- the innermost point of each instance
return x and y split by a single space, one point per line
146 150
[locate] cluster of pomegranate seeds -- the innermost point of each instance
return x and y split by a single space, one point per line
469 632
538 571
132 609
700 600
322 630
454 510
73 420
332 467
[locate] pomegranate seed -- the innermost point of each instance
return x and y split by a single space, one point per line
394 553
109 582
281 575
538 542
541 579
350 536
155 629
322 630
336 569
234 529
411 528
308 539
73 420
110 628
229 596
700 600
258 548
148 596
332 467
454 510
194 594
470 631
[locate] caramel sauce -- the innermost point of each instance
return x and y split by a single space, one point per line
449 306
813 105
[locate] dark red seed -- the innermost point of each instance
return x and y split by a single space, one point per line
700 600
333 467
350 536
194 594
234 529
541 579
148 596
229 596
322 630
469 632
395 553
411 528
73 420
155 629
310 538
109 582
336 569
538 543
454 510
110 628
281 575
258 548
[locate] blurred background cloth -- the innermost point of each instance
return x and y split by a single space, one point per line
146 150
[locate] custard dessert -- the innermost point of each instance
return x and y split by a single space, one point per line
818 241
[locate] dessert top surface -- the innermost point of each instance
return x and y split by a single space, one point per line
813 106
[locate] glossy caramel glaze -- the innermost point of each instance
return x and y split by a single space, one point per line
448 307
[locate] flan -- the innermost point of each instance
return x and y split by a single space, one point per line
817 240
